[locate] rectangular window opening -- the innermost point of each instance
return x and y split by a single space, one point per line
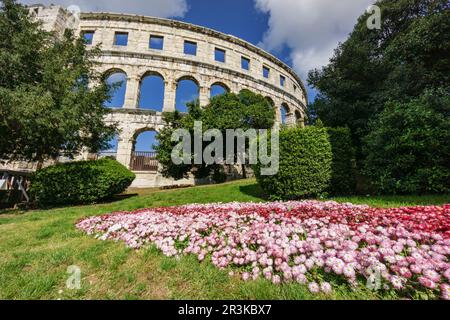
219 55
266 72
190 48
282 81
88 37
121 39
156 42
245 63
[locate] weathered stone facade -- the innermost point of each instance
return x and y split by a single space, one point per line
136 60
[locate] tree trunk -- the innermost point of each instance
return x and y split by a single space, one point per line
244 171
40 164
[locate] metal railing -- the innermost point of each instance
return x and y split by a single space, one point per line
144 161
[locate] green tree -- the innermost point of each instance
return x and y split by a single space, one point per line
408 148
407 56
51 99
245 110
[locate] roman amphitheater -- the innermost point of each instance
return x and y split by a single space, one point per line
136 49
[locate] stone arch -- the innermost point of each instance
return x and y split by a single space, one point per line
144 133
143 155
285 112
152 91
270 100
219 88
188 77
187 90
117 80
299 118
111 70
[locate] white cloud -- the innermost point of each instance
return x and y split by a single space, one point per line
158 8
310 28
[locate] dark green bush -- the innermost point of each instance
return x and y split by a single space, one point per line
9 198
219 175
408 149
305 165
80 182
343 177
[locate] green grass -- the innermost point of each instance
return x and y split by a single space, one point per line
36 247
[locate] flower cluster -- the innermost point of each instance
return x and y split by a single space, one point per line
401 249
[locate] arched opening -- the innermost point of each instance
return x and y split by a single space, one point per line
218 89
270 101
117 83
298 118
143 157
111 150
151 92
145 141
188 90
284 113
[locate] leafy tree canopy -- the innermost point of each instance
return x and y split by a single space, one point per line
244 111
51 100
407 150
408 55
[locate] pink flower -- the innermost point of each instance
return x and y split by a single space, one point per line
294 239
415 269
432 275
405 272
313 287
301 279
325 287
447 274
309 263
397 282
445 291
276 279
349 272
427 283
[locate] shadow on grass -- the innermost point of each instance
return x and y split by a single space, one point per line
253 190
33 206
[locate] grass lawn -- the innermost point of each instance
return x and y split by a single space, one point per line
36 248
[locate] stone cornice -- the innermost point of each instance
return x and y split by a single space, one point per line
134 111
194 28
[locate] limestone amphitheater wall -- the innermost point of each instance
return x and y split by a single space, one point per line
136 59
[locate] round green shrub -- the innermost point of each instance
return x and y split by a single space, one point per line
80 182
304 166
343 177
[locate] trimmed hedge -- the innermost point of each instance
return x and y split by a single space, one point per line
343 177
305 165
80 182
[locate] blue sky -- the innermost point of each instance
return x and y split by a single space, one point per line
302 33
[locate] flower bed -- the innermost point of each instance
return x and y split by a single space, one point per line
405 250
